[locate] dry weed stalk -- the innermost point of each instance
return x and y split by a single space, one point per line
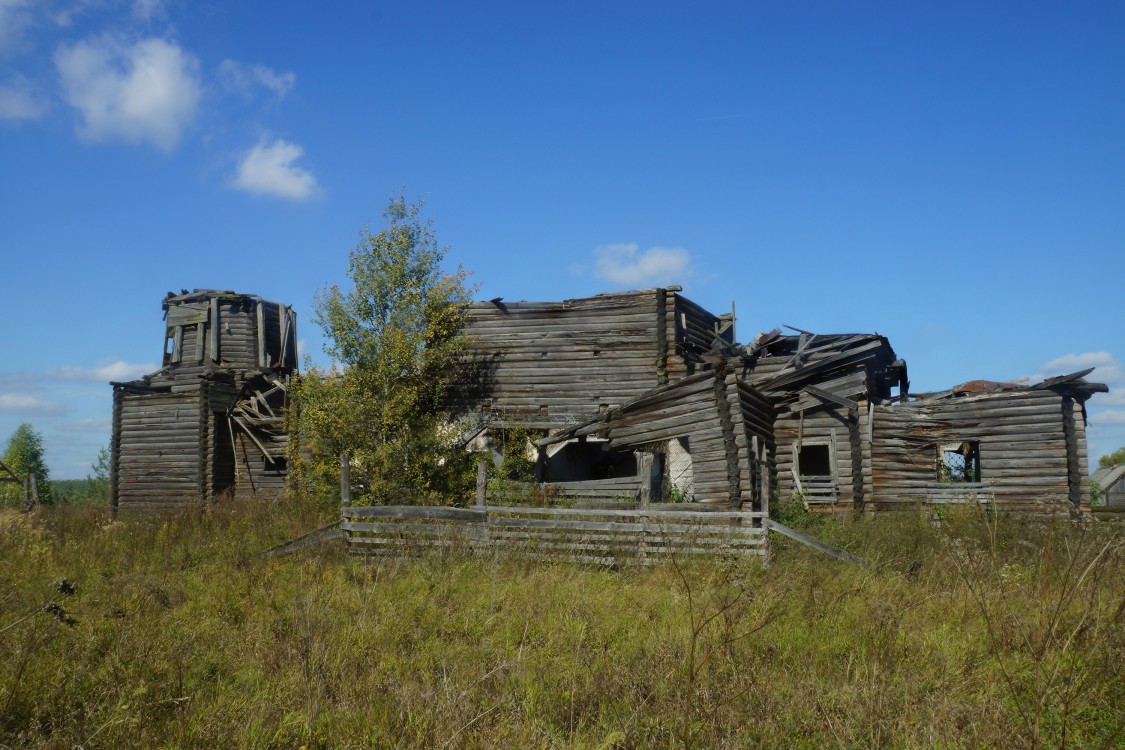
1045 652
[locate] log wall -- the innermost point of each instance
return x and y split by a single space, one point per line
727 426
555 363
174 440
233 332
156 448
1030 444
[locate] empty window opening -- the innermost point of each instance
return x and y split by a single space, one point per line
959 462
814 461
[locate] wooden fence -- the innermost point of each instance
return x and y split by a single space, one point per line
590 535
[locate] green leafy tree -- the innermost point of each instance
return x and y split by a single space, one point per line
24 456
396 336
1113 459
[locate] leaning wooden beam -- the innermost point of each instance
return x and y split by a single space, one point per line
323 534
834 398
214 329
246 428
263 360
807 540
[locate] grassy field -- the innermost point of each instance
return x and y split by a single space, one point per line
175 632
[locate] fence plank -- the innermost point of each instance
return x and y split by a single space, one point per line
577 534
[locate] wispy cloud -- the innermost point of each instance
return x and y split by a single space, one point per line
1108 370
269 169
116 370
94 425
144 91
15 18
148 10
19 102
628 265
1111 417
22 403
246 79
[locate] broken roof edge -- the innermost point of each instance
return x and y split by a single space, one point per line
199 293
671 288
1074 384
798 348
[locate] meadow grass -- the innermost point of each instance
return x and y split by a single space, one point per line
983 631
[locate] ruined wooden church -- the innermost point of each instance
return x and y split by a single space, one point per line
627 389
210 422
622 394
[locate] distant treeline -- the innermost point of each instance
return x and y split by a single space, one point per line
89 491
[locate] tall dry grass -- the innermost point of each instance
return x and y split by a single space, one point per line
983 631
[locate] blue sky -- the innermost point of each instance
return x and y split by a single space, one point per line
951 175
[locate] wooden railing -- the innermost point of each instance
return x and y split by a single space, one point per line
604 536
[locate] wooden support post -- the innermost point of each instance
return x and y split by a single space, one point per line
281 318
655 478
214 329
262 360
482 483
177 344
647 460
35 490
345 481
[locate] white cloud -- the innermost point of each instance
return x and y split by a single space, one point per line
93 424
116 370
268 169
244 79
625 264
146 91
17 102
21 403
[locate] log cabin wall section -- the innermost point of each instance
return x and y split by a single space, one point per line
1023 448
724 425
210 422
555 363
